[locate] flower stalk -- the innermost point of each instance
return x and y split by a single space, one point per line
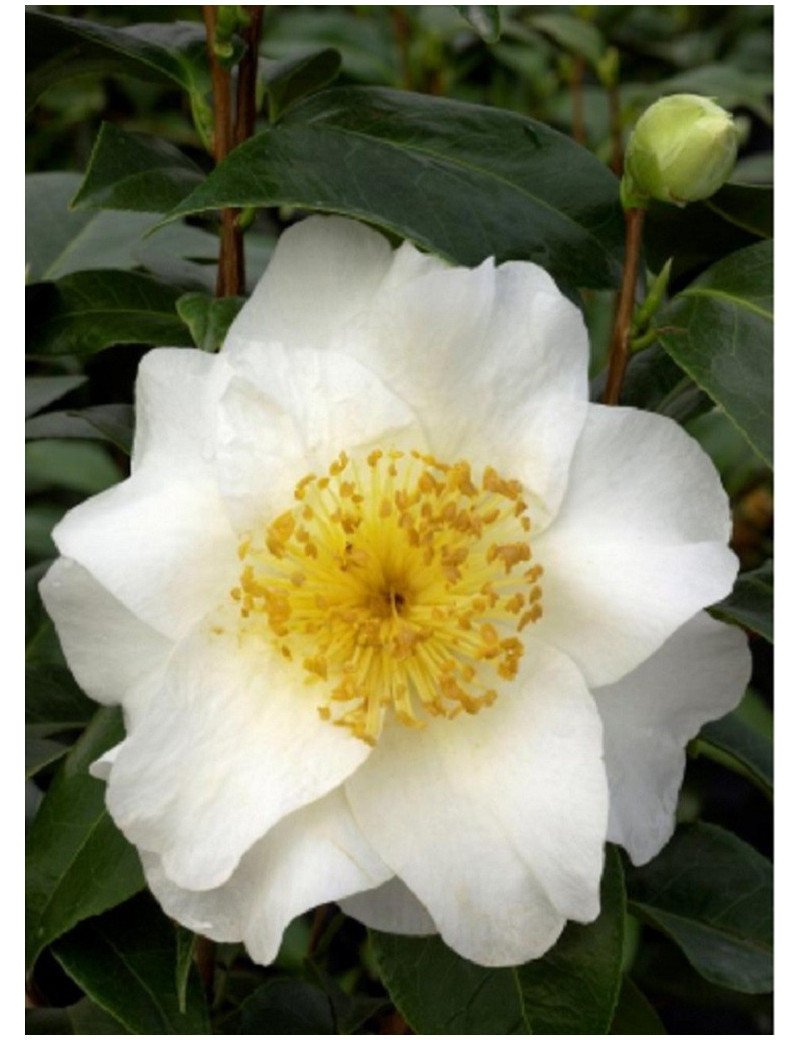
621 334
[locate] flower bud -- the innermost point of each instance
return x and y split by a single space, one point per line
682 149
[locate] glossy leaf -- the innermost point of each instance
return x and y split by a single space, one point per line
729 86
86 468
59 48
750 603
89 311
41 641
41 752
130 171
40 391
655 383
208 318
125 961
461 180
635 1014
712 894
291 80
86 1017
720 333
485 20
572 989
105 422
752 751
54 702
748 206
78 863
287 1007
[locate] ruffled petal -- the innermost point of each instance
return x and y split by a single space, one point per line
290 412
324 271
111 653
495 822
648 718
639 545
177 393
314 856
231 745
164 549
391 907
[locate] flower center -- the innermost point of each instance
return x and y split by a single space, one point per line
398 585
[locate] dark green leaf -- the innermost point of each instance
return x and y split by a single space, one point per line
86 468
53 700
571 990
105 422
208 318
91 310
184 952
485 20
60 48
40 752
462 180
125 961
40 519
655 383
750 603
712 894
41 641
748 206
573 34
78 863
47 1021
730 87
288 81
87 1017
751 750
40 391
287 1007
135 172
720 333
350 1012
635 1014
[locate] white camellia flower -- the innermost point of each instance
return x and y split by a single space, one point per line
396 617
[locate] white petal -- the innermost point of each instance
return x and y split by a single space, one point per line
231 745
314 856
290 412
324 271
495 822
639 546
109 651
648 718
471 351
164 548
391 907
177 392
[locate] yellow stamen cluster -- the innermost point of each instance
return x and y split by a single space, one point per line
397 582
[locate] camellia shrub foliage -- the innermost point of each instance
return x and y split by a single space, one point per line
399 519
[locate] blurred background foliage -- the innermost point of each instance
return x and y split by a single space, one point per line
586 70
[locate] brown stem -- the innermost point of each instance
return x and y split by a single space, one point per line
615 121
621 334
576 89
248 72
204 959
402 33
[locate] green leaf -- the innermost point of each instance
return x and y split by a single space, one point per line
105 422
720 333
573 34
89 311
86 468
461 180
184 952
750 603
86 1017
60 48
753 752
291 80
40 519
41 642
287 1007
41 752
485 20
654 383
730 87
208 318
571 990
635 1014
712 894
750 207
78 863
40 391
125 961
130 171
54 702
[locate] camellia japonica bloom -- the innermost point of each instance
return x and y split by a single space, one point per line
396 617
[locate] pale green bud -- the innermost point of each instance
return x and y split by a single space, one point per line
682 149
